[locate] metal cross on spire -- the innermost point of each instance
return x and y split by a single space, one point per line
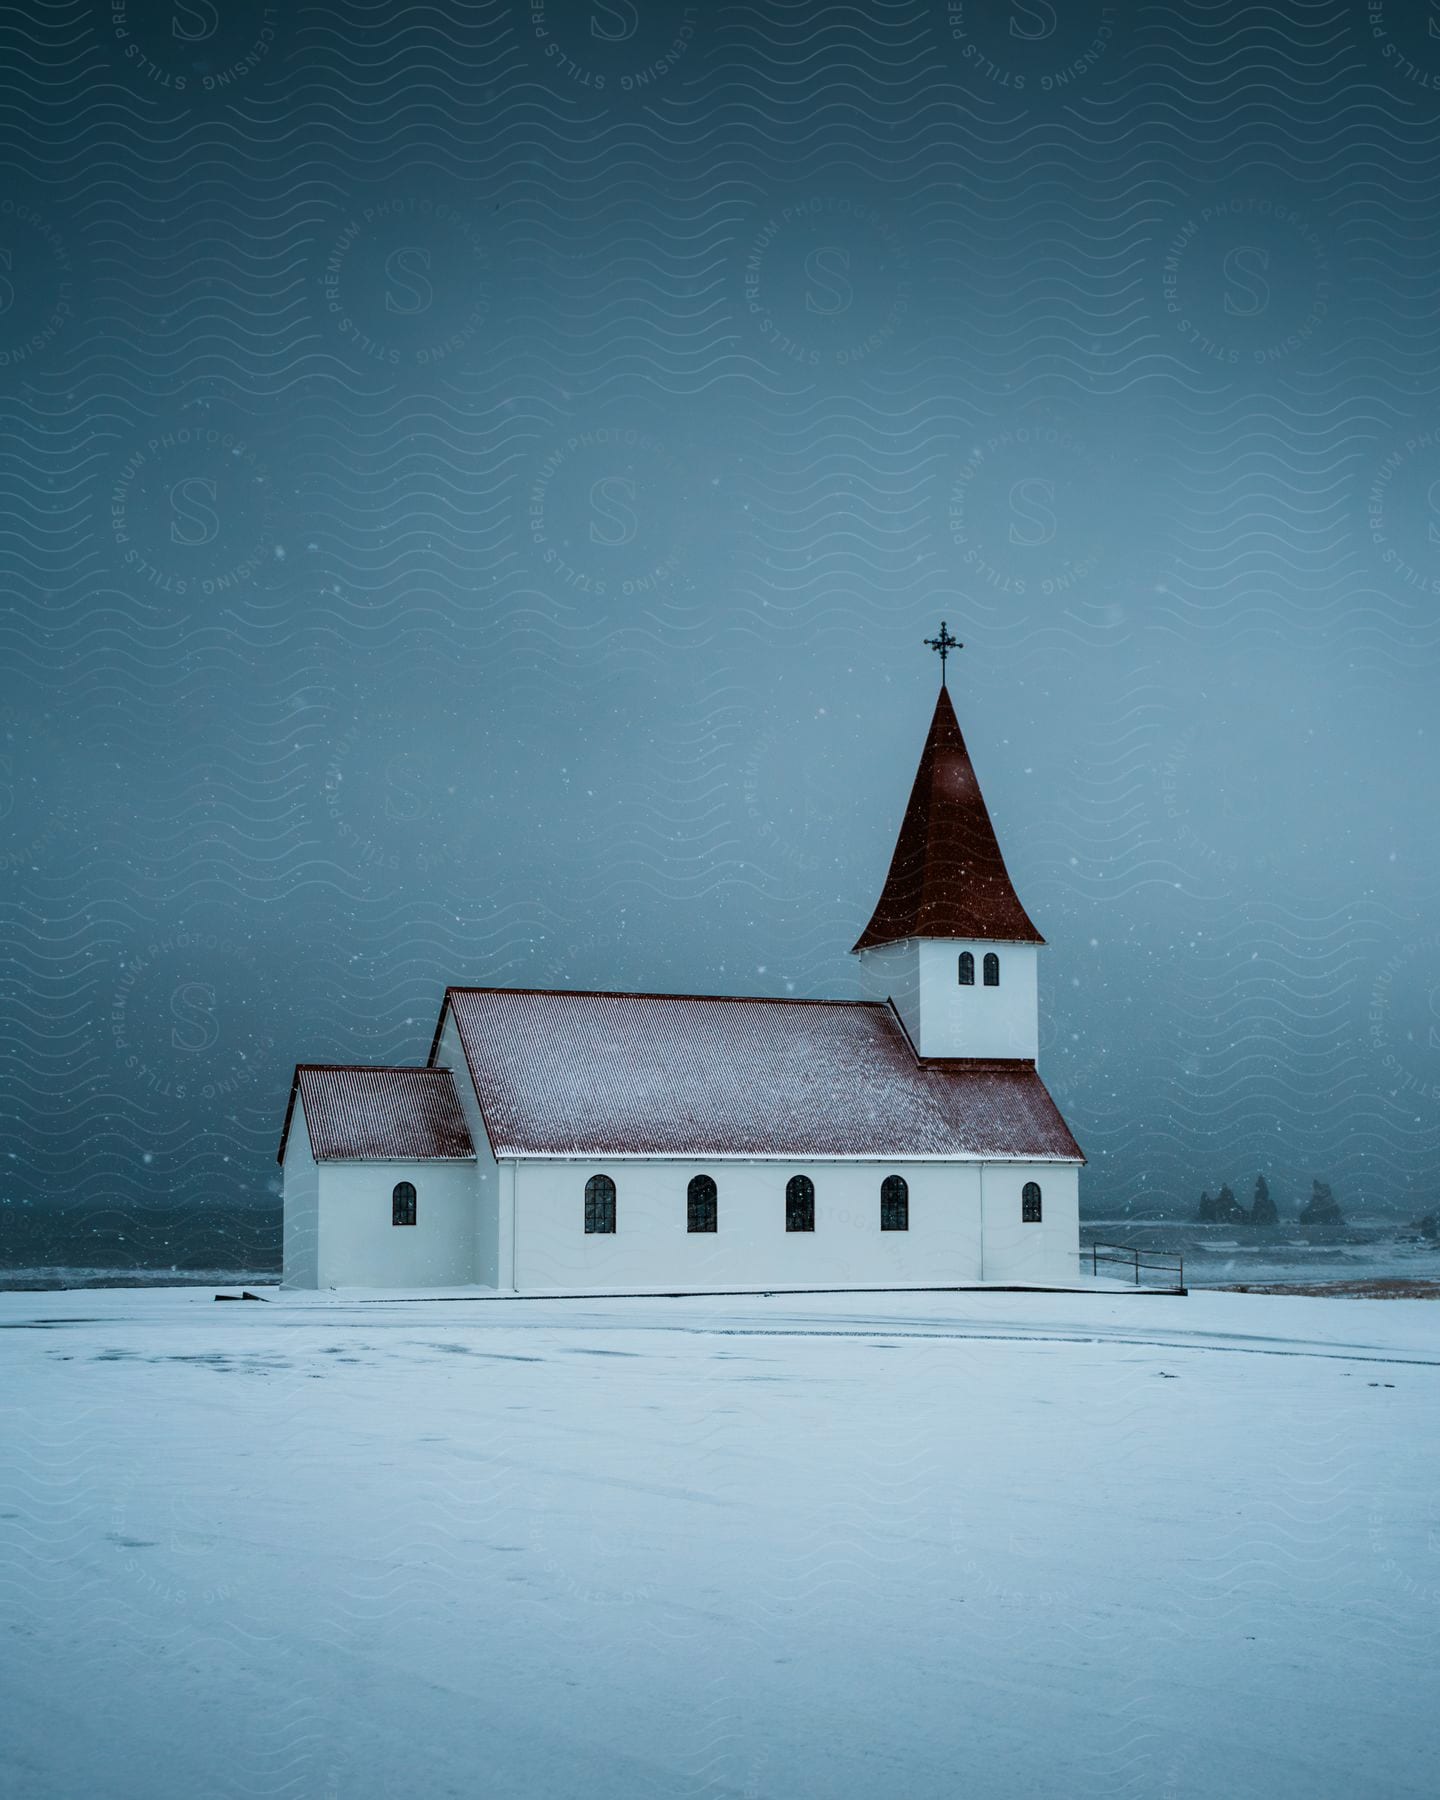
944 644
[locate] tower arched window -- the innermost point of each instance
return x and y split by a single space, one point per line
894 1203
799 1203
702 1204
992 969
599 1206
1030 1203
402 1203
967 968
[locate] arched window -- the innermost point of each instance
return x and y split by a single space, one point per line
402 1203
894 1204
992 969
799 1203
967 969
702 1204
599 1205
1030 1203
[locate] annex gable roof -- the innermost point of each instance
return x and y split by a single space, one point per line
567 1073
947 878
355 1113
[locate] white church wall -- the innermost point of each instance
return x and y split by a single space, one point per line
1015 1251
505 1224
491 1255
922 976
651 1246
300 1176
978 1020
892 972
360 1247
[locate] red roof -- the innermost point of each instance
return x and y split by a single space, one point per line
602 1074
357 1114
947 877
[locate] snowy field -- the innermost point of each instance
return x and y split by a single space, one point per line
911 1548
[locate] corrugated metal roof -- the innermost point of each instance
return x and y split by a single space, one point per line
947 877
354 1114
591 1074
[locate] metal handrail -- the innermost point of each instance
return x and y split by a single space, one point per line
1169 1264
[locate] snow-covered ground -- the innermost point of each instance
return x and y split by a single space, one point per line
885 1547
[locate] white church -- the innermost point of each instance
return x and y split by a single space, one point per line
558 1140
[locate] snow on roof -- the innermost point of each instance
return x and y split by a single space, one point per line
947 877
355 1114
565 1073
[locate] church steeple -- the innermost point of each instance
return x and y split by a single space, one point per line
947 877
949 942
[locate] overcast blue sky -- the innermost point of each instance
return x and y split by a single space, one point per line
477 480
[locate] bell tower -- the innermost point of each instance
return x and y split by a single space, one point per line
949 941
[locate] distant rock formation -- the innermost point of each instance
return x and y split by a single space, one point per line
1224 1209
1323 1208
1428 1227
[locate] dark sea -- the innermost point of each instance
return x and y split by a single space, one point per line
55 1245
1365 1248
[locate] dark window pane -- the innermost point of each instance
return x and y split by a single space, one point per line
1030 1203
599 1205
799 1203
702 1205
967 969
992 969
402 1204
894 1204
